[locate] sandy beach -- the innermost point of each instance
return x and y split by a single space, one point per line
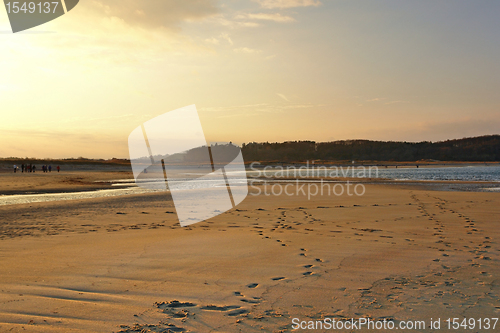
123 264
223 166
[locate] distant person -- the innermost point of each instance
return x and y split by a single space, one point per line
50 168
22 168
33 168
58 168
15 168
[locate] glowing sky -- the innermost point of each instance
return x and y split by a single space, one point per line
258 70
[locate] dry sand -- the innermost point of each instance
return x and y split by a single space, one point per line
125 265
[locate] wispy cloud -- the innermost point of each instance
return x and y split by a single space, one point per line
288 3
216 41
382 99
248 20
246 50
230 108
233 23
227 38
212 40
153 13
396 102
276 17
283 97
259 108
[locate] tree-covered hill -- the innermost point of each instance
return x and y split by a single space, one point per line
483 148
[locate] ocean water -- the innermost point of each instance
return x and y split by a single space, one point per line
467 173
472 173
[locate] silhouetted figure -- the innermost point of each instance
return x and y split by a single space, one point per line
50 168
58 168
22 168
33 168
15 168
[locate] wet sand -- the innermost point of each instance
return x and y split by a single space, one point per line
124 264
54 182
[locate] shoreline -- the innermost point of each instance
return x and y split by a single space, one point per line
388 164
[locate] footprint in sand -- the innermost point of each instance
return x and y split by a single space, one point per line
157 328
250 301
278 278
181 314
174 304
220 308
237 312
252 285
307 273
172 307
308 266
